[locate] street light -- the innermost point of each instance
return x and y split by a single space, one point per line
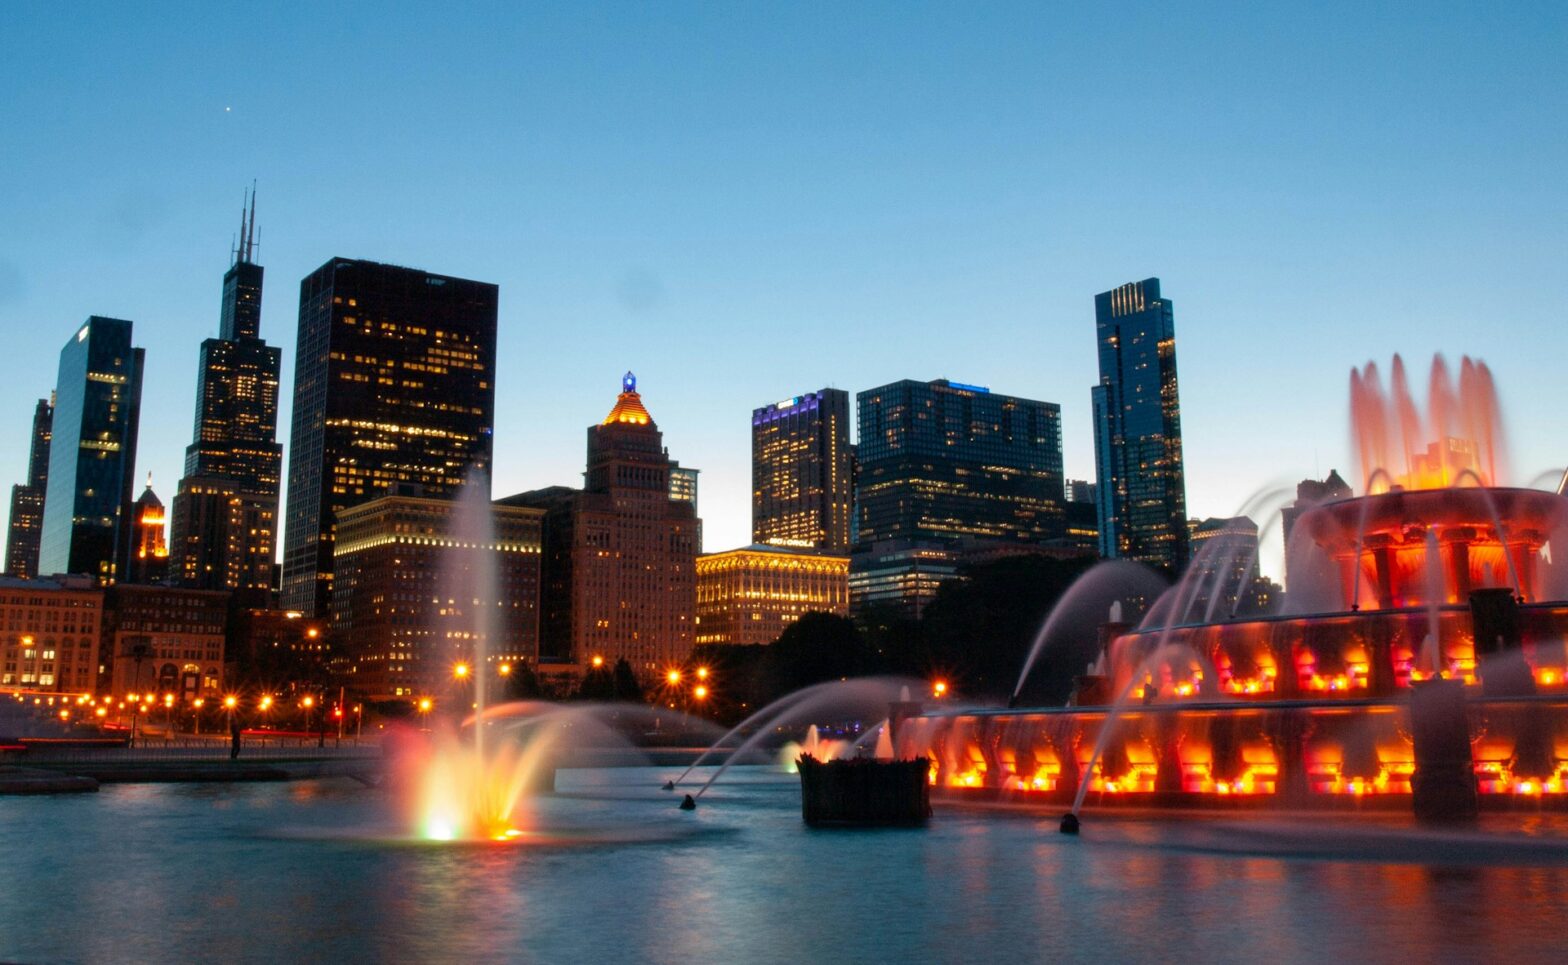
673 677
702 673
598 661
939 689
701 692
460 671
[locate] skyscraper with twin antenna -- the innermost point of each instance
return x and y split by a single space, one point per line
224 527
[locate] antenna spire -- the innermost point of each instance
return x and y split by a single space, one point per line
245 249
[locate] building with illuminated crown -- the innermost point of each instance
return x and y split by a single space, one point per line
27 499
412 594
92 455
225 510
150 558
620 554
1140 484
749 595
394 384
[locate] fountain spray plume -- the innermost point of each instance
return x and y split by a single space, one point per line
862 698
1462 427
473 591
1105 584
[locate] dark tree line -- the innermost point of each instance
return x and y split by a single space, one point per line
975 635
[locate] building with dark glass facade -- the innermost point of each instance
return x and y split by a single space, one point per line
394 384
224 513
1139 485
27 499
620 554
945 461
802 472
92 455
408 600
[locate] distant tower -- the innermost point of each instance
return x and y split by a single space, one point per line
1140 485
225 510
92 456
150 558
27 499
394 387
802 472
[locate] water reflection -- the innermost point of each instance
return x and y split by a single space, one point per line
215 873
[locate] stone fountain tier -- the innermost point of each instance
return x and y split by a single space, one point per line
1485 536
864 792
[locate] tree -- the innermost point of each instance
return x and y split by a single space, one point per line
623 683
979 629
523 683
816 648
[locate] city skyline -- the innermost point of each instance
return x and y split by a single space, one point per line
617 245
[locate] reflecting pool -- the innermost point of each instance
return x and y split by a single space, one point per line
287 872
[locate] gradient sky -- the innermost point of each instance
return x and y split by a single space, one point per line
743 202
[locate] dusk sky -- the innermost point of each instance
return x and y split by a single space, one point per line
744 202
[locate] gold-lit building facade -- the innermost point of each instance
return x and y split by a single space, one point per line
411 600
150 553
394 385
750 595
51 633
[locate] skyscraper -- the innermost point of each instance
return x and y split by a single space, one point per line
1139 485
92 456
225 510
27 499
394 383
802 472
943 460
620 554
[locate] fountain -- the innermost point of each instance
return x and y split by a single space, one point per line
1420 663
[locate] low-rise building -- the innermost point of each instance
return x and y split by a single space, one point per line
167 639
51 633
749 595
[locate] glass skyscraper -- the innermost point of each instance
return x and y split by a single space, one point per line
225 511
394 386
92 456
1140 489
802 472
943 460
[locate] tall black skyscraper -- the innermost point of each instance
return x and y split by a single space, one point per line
394 384
802 472
92 456
27 499
942 460
1140 488
225 511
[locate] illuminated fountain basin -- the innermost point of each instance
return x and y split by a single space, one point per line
1436 574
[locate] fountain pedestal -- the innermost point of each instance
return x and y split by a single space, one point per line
864 792
1443 784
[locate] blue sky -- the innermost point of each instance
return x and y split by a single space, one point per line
742 202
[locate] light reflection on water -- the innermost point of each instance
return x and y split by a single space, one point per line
287 872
